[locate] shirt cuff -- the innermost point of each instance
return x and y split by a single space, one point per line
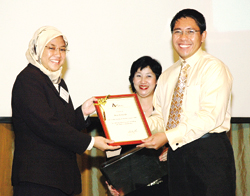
91 144
175 137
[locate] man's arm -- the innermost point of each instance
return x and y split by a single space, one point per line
207 107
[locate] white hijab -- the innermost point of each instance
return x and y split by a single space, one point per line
36 46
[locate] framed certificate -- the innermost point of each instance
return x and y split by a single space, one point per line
122 119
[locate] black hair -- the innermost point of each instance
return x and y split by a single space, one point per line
194 14
141 63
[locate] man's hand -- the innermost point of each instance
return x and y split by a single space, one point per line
102 144
154 141
88 106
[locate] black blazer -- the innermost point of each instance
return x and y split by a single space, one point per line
47 133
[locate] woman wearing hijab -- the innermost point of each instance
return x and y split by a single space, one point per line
46 125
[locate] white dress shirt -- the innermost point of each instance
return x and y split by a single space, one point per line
206 102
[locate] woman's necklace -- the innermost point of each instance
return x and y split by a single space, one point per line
148 111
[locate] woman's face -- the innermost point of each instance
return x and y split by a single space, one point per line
54 54
144 82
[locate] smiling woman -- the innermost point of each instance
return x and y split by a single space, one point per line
54 54
41 54
47 128
144 74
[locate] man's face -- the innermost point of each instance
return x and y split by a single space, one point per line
184 42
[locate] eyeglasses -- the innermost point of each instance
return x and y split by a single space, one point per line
189 32
54 49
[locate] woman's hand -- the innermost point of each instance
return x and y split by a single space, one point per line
102 144
88 106
113 191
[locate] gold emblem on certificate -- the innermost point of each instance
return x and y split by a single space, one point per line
122 119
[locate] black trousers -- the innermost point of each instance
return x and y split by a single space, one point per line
32 189
204 167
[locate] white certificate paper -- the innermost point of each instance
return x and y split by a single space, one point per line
122 119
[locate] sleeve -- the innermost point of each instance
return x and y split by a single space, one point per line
81 121
91 145
37 109
206 106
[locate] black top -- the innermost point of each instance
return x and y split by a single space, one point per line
47 133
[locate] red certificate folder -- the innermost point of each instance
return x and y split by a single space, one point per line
122 119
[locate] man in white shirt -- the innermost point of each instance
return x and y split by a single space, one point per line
200 156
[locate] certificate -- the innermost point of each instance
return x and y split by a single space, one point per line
122 119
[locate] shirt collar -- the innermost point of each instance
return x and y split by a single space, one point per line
194 58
